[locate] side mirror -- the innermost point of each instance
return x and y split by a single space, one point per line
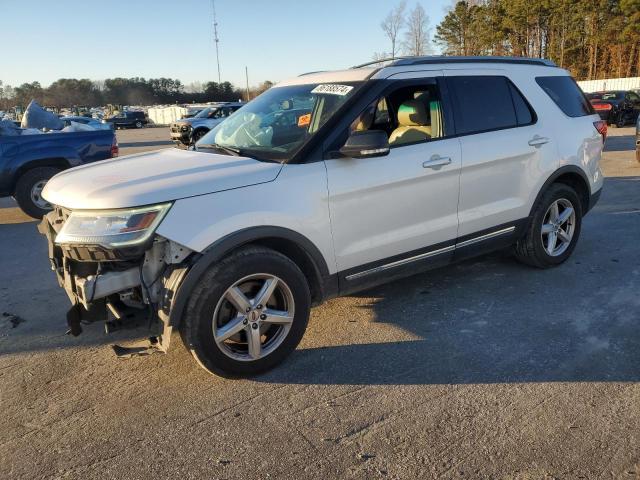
370 143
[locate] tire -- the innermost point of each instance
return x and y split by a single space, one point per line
139 124
28 189
533 248
209 299
197 135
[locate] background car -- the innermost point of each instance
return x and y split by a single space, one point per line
617 107
128 120
190 130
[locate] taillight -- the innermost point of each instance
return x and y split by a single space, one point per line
602 106
601 127
115 150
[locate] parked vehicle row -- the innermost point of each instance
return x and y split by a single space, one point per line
619 107
189 130
128 119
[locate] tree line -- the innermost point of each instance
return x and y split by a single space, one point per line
593 39
68 92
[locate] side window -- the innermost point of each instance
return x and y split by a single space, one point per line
483 103
633 97
565 92
524 115
408 115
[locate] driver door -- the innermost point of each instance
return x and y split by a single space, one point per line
398 211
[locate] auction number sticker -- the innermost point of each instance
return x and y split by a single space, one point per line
332 89
304 120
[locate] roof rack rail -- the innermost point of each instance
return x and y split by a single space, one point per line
311 73
433 59
381 60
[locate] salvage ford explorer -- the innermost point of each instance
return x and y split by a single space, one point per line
326 184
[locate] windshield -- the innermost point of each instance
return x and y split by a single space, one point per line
206 113
276 125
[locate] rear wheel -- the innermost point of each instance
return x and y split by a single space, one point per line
554 229
139 124
248 312
29 188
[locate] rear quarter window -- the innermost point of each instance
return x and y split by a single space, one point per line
566 93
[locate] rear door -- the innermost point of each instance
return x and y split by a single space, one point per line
506 149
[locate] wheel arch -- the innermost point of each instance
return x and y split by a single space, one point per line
288 242
575 178
56 162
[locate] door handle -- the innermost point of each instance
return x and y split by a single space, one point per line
436 161
537 141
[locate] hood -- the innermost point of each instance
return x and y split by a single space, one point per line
154 177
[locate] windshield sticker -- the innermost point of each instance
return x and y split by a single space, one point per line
304 120
332 89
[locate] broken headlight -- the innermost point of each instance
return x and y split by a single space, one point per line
112 228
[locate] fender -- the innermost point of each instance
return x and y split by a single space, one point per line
225 245
555 175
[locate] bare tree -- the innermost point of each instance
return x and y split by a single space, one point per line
393 24
379 56
416 41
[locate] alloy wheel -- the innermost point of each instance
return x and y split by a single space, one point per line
36 195
253 317
558 227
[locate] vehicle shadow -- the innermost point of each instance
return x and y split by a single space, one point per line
492 320
489 320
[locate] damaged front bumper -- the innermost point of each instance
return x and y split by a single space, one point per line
123 287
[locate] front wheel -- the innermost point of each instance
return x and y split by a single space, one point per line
554 229
29 188
197 135
139 124
248 312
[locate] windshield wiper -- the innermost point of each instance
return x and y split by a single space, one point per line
228 150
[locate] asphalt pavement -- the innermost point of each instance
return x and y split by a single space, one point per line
485 369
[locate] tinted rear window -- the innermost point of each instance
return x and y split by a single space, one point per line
485 103
564 91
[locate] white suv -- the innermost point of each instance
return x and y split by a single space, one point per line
326 184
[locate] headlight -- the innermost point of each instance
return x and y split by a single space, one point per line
112 228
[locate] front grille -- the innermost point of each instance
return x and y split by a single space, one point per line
179 128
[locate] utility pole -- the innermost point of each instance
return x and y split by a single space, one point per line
246 74
216 40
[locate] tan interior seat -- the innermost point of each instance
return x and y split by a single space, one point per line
413 123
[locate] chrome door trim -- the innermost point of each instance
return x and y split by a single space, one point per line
399 263
422 256
482 238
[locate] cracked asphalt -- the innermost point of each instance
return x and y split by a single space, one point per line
486 369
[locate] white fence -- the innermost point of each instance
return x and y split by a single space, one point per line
165 115
168 115
630 83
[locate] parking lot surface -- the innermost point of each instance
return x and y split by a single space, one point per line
487 369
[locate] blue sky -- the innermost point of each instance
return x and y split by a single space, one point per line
45 40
